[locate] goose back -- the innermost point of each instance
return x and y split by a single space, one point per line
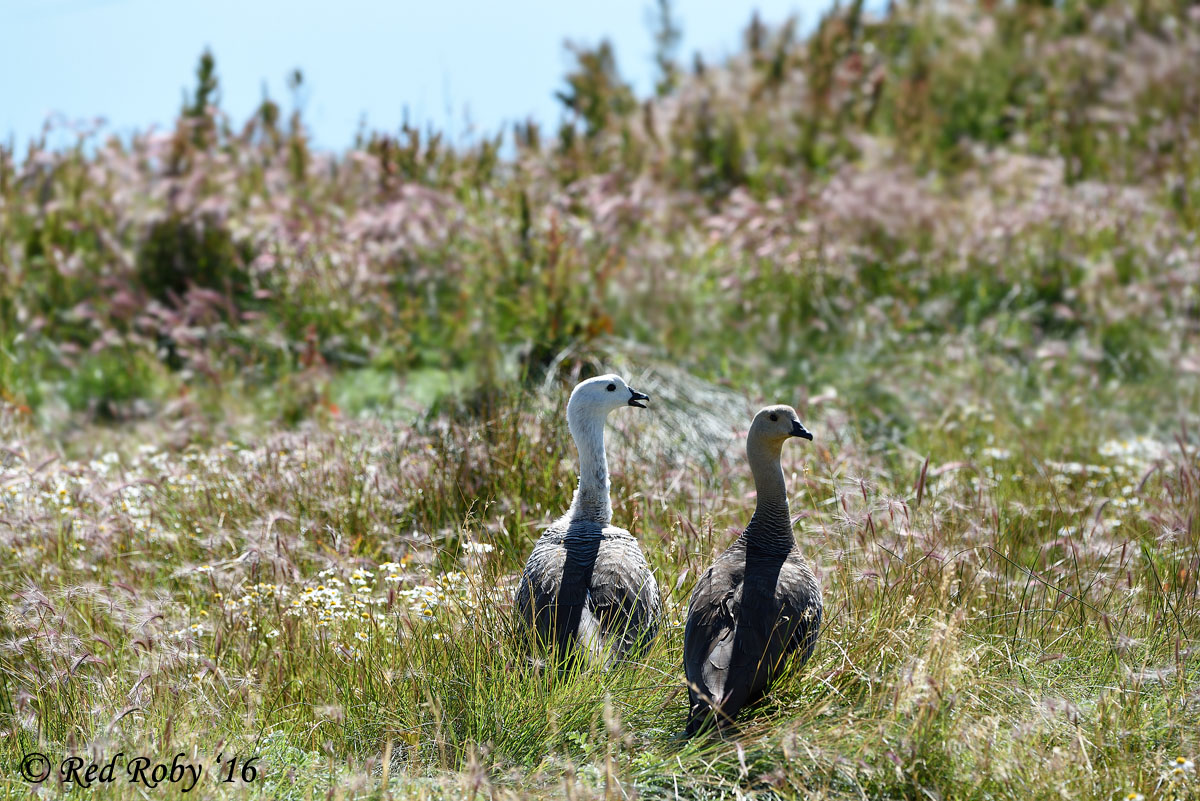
587 589
749 614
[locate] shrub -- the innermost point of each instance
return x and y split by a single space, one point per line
178 253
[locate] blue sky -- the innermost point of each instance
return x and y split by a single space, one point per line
129 61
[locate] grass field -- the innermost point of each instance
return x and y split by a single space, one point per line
280 426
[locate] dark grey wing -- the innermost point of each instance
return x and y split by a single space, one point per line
624 597
781 605
799 596
705 626
538 592
554 588
721 651
769 625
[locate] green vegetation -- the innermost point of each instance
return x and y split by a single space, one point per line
280 426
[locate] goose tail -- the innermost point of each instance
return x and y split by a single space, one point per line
590 637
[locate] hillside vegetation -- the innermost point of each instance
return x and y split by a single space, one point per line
281 425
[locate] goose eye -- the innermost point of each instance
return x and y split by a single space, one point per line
774 417
612 387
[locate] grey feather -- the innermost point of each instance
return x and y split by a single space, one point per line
748 615
587 589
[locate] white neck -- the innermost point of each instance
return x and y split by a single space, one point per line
591 497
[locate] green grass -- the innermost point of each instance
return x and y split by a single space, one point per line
974 644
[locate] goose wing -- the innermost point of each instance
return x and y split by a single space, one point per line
801 608
723 645
623 596
780 614
709 625
553 592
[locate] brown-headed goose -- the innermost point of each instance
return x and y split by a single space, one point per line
759 604
586 587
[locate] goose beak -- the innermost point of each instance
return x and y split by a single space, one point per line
635 396
800 431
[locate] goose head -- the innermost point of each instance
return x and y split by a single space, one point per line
775 424
598 396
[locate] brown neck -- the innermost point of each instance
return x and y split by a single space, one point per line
770 529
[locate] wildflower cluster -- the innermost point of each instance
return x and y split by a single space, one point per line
1178 780
351 606
331 602
452 590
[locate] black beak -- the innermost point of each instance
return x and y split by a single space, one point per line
800 431
635 396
